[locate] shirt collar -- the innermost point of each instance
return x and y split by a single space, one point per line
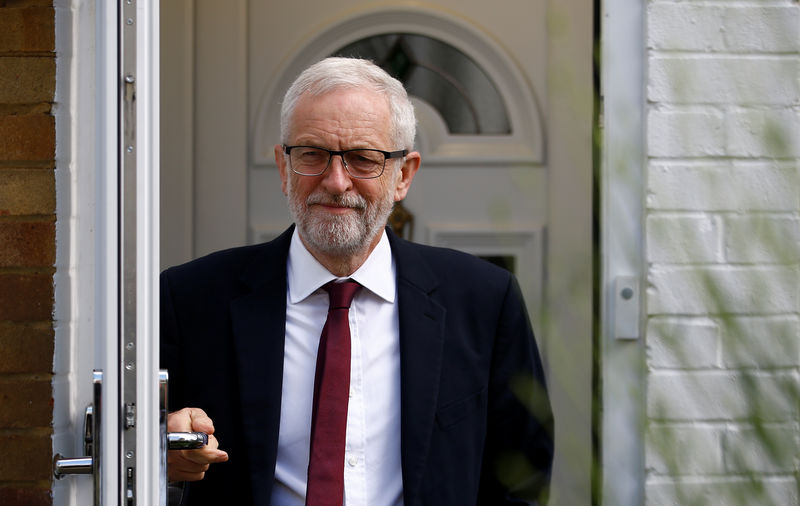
306 274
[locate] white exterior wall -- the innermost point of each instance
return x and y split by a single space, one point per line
723 252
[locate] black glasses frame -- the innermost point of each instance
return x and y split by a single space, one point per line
331 153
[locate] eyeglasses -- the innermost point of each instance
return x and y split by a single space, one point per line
359 163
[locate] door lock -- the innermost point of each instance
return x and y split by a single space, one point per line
79 465
90 462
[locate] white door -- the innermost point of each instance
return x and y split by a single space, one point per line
516 188
107 431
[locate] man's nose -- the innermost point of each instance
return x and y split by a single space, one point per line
336 179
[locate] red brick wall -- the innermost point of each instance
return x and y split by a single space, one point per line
27 249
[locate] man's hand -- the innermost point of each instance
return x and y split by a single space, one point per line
191 465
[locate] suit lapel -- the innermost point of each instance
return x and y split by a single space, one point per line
421 345
258 321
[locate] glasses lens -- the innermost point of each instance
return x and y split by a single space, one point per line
364 163
309 161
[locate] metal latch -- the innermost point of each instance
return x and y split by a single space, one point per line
92 437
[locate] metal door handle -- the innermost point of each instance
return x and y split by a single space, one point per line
90 462
78 465
186 440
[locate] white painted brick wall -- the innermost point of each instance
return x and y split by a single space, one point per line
723 80
734 490
723 252
768 449
683 343
721 395
772 238
723 290
778 346
697 449
757 132
695 185
712 27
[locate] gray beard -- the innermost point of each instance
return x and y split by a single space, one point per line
339 235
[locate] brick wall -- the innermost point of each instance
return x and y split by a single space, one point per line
27 249
723 251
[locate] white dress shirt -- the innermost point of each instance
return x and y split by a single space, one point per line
372 469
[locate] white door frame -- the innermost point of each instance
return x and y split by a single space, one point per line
622 169
86 271
88 156
141 347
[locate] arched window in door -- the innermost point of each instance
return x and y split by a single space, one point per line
474 106
464 95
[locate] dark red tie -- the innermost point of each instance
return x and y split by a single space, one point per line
331 395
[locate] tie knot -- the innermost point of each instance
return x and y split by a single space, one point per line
341 294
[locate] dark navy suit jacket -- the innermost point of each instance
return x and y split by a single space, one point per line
476 422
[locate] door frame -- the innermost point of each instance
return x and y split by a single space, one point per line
568 144
88 287
86 279
622 168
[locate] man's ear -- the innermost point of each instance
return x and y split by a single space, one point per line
280 159
407 173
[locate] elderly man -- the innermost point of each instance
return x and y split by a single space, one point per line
339 363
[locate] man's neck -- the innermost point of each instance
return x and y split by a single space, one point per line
343 265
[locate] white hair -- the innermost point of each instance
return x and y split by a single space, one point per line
336 73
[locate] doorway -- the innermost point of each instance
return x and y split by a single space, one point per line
519 192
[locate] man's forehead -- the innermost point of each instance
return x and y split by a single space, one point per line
344 94
347 112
